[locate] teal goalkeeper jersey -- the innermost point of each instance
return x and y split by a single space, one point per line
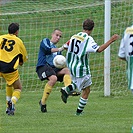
80 45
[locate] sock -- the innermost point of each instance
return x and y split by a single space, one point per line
82 103
15 96
46 93
70 88
9 91
67 80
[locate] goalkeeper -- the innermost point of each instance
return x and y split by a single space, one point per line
12 54
80 46
47 71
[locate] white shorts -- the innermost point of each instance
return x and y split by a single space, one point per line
83 82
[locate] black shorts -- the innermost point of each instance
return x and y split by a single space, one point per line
46 71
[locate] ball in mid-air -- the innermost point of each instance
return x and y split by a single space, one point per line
59 61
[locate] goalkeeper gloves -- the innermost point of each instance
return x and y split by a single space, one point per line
65 46
61 48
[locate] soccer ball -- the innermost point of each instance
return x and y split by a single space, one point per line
59 61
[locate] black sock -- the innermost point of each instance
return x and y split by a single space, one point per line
79 111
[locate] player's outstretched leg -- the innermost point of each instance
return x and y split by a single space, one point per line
64 95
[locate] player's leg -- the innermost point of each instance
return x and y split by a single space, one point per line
83 100
9 91
85 84
48 88
64 75
46 72
66 91
12 79
15 95
67 80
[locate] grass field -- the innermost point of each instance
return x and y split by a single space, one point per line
101 115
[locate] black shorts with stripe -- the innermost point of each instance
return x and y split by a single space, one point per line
46 71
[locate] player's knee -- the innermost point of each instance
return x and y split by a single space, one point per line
66 71
53 78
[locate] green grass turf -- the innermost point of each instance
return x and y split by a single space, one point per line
101 114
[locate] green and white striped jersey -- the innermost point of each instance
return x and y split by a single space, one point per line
126 45
126 51
80 45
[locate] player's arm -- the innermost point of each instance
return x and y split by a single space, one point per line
45 45
57 49
105 45
20 60
23 57
64 46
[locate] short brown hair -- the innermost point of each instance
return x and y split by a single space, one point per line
13 27
88 24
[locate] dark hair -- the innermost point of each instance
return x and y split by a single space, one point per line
88 24
13 27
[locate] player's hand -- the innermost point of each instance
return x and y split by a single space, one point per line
114 37
61 49
64 46
20 63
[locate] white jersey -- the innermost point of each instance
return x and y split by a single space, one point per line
80 46
126 45
126 51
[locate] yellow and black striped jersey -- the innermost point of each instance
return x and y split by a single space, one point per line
12 52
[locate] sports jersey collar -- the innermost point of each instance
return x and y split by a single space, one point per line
11 35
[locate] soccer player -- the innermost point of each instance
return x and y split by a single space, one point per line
46 69
12 54
126 53
80 46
